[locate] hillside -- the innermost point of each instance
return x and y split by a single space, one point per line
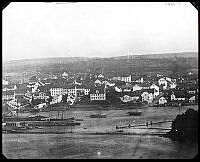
110 66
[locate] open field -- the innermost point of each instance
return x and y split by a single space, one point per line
81 144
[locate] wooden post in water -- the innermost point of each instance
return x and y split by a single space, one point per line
179 105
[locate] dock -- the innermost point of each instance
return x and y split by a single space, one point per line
147 125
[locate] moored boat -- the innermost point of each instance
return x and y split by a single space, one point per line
134 113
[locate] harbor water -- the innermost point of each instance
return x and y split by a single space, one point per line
76 142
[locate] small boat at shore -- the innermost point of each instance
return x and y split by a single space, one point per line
134 113
97 116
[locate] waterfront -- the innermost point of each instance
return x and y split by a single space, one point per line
80 145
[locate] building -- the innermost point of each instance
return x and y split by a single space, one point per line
178 96
100 76
192 99
56 91
118 89
98 94
40 95
9 87
65 75
4 82
8 95
123 78
147 95
156 90
33 79
162 101
136 87
129 97
77 90
98 81
162 82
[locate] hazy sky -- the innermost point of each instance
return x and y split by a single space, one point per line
38 30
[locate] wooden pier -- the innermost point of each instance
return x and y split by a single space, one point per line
147 125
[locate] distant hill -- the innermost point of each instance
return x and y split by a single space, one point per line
131 63
162 55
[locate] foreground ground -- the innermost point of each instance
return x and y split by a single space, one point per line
80 145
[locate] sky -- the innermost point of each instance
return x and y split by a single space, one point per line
98 29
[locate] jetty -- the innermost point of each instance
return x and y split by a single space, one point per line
145 125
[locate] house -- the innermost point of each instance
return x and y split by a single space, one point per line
145 85
21 91
136 87
192 99
4 82
100 76
118 89
111 84
129 97
34 85
39 106
97 94
56 99
162 82
19 102
9 87
8 95
162 101
178 96
77 90
98 82
56 91
33 79
76 83
173 85
156 90
65 75
147 95
139 80
123 78
40 95
168 79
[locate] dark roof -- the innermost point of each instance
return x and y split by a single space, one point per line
145 84
100 89
8 92
9 86
21 90
147 90
179 93
33 79
132 94
44 88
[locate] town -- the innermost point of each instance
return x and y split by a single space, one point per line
84 89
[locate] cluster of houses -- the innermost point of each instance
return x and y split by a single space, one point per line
125 89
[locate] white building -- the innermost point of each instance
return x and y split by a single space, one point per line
156 90
192 99
162 101
136 87
127 98
4 82
146 96
123 78
98 94
65 75
163 82
56 91
117 89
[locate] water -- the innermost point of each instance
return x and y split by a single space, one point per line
94 146
76 145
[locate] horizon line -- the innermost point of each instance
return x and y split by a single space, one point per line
146 54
